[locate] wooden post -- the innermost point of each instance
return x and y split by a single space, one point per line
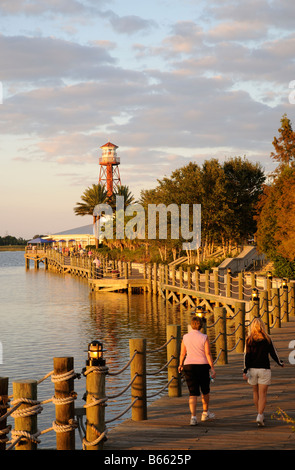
220 328
276 307
166 279
173 275
173 350
25 389
149 276
95 414
291 287
207 281
284 304
138 388
125 268
180 282
216 283
155 276
4 404
240 326
253 280
197 279
189 282
241 285
228 283
64 413
263 308
269 284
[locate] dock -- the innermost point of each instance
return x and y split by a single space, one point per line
167 427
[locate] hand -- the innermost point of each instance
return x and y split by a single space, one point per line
245 377
180 368
213 373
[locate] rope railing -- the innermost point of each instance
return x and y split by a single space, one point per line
24 407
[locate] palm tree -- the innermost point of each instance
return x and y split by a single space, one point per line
126 193
92 196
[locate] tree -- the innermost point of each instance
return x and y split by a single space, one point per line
284 145
92 196
276 207
227 194
244 185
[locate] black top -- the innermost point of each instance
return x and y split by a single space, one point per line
257 355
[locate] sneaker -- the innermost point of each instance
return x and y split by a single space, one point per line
193 421
207 415
260 420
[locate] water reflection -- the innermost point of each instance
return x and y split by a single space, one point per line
45 315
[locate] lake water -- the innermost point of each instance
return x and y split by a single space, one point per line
45 315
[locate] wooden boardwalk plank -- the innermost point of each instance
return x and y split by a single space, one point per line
167 426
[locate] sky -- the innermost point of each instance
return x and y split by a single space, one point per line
167 81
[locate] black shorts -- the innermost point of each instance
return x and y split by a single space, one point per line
197 378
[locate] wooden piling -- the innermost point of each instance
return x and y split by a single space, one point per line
197 279
291 286
173 350
64 412
4 404
240 326
284 304
216 282
241 285
228 283
207 281
138 387
95 414
264 310
28 423
276 311
220 328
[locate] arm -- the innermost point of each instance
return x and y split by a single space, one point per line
274 355
182 356
209 358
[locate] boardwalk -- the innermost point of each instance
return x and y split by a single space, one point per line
234 428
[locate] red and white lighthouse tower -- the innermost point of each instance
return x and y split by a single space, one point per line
109 174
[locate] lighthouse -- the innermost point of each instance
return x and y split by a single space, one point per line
109 162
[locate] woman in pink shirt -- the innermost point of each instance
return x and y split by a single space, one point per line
196 361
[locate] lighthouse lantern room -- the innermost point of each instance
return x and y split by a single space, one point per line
109 162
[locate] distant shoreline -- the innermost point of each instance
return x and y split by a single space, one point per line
12 248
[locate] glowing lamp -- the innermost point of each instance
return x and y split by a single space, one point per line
95 354
255 296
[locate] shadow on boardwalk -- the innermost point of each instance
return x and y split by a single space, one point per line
234 428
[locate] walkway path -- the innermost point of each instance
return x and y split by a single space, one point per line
234 428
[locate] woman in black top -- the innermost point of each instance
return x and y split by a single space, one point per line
259 347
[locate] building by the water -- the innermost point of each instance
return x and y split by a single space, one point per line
83 236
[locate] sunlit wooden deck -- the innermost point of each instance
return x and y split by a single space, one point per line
167 426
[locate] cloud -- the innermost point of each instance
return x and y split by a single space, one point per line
32 59
40 7
130 24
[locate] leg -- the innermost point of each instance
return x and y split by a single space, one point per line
205 401
262 394
255 396
193 404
